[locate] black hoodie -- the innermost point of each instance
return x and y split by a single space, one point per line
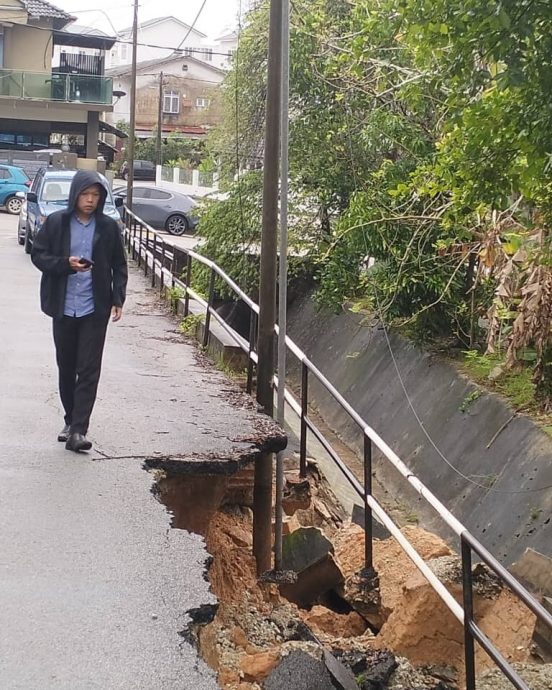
52 246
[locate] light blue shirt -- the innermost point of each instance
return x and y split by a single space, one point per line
79 298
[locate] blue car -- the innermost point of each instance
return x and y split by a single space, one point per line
49 193
12 180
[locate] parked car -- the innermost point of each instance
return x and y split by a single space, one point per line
22 224
143 170
162 209
12 180
49 193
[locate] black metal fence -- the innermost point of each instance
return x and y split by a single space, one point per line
171 267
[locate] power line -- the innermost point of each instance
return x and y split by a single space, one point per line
129 42
193 23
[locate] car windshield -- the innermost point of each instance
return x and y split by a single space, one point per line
56 191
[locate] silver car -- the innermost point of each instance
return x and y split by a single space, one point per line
162 208
22 224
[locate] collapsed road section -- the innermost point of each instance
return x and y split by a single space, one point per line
95 588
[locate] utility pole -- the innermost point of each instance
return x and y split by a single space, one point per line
262 498
160 122
282 286
132 133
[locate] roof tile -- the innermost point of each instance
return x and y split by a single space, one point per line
41 8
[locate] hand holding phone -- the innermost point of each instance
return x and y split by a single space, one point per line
87 263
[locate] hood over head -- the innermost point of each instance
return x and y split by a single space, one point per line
82 180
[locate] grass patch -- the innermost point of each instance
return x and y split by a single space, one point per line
189 324
469 400
516 385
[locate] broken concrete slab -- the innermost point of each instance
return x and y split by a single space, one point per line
542 636
534 569
312 668
305 547
300 671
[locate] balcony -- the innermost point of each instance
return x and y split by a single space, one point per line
61 88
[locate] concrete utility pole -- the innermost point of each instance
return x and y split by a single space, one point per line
132 133
282 286
160 122
262 528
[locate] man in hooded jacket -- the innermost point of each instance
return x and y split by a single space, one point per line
82 257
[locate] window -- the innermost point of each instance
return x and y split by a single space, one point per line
189 52
202 102
4 174
158 194
124 51
171 102
208 54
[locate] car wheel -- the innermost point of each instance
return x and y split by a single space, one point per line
177 224
125 177
20 239
27 241
13 205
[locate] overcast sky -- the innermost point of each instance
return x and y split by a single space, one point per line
216 16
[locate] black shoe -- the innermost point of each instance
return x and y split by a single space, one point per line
78 442
64 434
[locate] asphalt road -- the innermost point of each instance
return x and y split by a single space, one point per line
94 584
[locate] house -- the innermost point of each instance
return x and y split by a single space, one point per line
42 98
188 95
226 46
175 34
152 35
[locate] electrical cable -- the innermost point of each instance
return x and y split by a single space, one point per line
428 435
198 15
149 45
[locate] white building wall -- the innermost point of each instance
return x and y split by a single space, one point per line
167 33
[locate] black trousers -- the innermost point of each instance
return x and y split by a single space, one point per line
79 348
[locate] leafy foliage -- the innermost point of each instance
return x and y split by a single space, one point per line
421 135
174 147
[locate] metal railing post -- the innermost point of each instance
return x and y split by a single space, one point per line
146 253
163 259
304 412
133 233
140 245
209 307
126 221
188 284
467 589
368 526
251 349
153 262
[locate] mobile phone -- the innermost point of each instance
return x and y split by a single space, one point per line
86 262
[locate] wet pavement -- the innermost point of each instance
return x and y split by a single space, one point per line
94 584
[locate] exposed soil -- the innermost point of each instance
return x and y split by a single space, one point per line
413 643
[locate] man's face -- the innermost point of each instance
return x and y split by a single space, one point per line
88 200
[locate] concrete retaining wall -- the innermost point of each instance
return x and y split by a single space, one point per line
356 359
